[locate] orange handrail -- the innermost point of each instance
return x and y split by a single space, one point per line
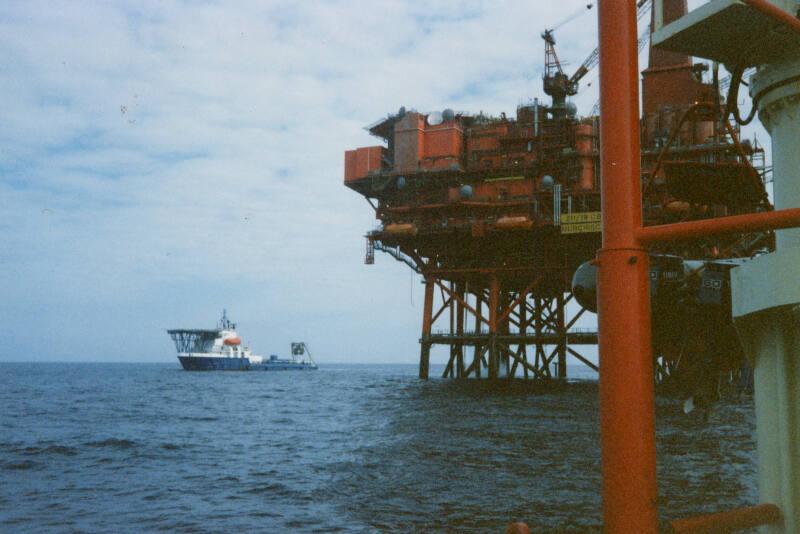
730 521
751 222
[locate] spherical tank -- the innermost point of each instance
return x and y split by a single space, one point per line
584 286
572 109
435 118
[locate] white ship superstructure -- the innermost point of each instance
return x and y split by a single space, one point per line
222 349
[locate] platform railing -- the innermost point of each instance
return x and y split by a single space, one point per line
728 521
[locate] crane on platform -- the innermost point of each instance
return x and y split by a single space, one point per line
557 84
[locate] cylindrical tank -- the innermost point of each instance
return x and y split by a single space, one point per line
513 223
703 132
465 192
401 229
678 206
584 136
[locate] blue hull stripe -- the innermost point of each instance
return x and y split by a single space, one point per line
200 363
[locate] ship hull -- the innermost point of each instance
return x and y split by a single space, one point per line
202 363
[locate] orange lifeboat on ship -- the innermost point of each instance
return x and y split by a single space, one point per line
233 341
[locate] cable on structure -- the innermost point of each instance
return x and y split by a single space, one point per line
729 129
732 106
777 15
675 130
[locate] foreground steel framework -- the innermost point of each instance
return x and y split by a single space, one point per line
498 322
494 333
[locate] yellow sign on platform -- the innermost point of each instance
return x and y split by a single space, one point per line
585 217
581 223
580 228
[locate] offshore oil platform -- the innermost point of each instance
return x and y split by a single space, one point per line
501 216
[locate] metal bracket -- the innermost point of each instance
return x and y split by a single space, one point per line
730 32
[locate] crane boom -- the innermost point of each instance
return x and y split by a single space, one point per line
643 40
574 15
594 58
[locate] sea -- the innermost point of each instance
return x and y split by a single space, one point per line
113 447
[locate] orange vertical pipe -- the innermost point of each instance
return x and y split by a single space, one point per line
494 303
627 411
427 313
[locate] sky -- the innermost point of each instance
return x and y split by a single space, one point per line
161 161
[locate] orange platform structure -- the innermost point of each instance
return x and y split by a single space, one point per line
498 213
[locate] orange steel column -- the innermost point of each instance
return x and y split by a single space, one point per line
427 317
494 302
460 331
627 412
562 332
478 354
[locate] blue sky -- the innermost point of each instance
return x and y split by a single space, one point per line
160 161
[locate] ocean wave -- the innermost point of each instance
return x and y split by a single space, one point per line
274 488
20 466
282 421
63 450
112 443
202 418
264 513
270 473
